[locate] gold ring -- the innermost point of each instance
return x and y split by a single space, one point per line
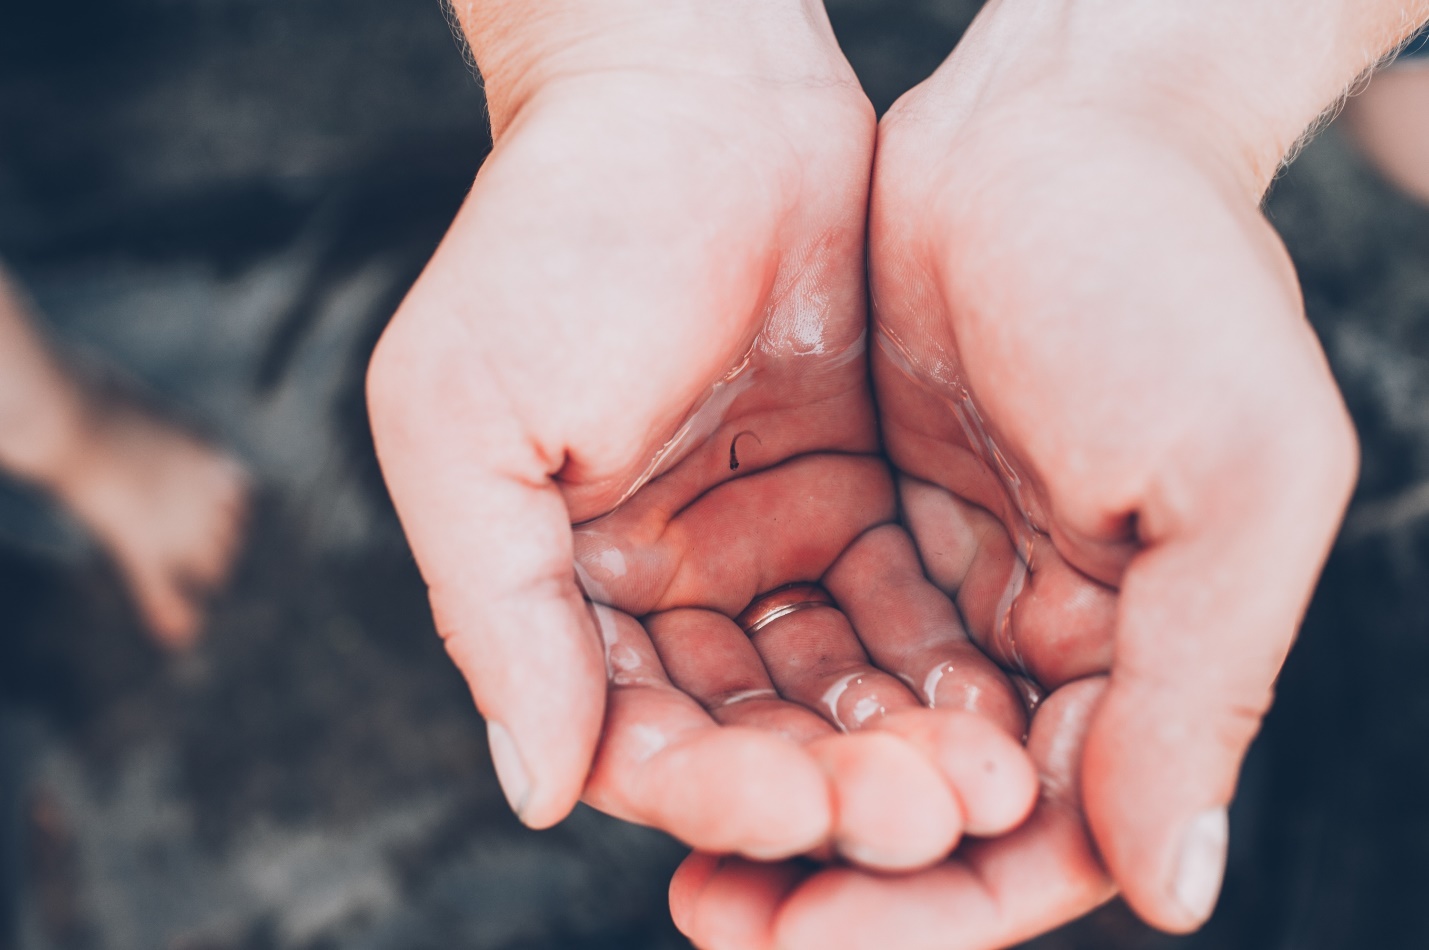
782 602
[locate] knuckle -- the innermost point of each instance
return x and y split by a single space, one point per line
1236 724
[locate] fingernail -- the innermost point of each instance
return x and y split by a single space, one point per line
1201 865
510 769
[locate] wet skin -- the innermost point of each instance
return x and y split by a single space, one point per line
685 558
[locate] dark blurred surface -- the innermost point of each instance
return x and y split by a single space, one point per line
226 199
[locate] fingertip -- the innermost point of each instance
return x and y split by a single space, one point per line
744 791
1159 815
541 788
511 772
739 904
990 773
1181 897
544 713
1058 740
542 783
686 887
827 911
1199 868
893 810
491 534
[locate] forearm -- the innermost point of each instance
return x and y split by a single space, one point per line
1242 81
520 45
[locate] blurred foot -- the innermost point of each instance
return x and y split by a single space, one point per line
168 508
1390 123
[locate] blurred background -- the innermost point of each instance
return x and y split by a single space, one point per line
224 200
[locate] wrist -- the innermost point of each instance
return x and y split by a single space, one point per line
1233 86
521 47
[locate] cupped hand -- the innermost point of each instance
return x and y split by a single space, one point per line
1092 350
648 322
1122 454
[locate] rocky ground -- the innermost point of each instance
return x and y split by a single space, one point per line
225 199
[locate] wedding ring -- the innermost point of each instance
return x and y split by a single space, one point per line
781 602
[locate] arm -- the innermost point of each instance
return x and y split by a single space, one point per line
1237 85
520 47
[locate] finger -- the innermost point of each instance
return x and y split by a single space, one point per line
993 894
735 909
1209 609
969 555
707 656
910 629
491 535
989 771
663 762
814 659
893 810
1063 622
1044 618
686 886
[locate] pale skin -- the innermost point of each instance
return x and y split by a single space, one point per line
166 507
596 339
1087 261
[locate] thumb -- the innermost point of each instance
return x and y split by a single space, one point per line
1207 613
491 534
